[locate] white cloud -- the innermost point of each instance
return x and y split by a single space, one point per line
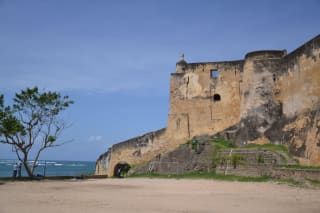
94 138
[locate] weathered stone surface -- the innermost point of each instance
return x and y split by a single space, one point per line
185 158
254 162
269 97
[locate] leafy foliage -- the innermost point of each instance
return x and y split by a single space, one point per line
260 158
236 159
219 144
32 121
194 144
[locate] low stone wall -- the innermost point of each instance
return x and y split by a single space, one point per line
296 174
272 164
246 170
274 172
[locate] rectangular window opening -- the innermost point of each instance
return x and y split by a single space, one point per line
214 73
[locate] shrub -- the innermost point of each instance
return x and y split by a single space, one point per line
260 158
236 159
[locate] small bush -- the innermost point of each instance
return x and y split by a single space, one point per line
315 183
236 159
218 144
260 158
194 144
219 160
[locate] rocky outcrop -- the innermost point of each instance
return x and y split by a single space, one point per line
202 154
186 158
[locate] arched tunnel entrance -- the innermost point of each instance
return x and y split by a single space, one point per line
121 169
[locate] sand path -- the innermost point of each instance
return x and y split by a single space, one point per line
155 195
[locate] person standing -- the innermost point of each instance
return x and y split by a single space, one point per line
14 172
19 169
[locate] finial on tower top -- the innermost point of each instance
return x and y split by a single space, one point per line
182 57
181 64
181 60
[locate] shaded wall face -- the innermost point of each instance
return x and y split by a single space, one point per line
280 102
193 109
299 91
257 85
259 108
299 87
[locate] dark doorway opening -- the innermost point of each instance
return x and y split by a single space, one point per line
216 97
121 169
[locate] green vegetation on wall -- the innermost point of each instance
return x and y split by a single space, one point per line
218 145
221 143
205 175
268 146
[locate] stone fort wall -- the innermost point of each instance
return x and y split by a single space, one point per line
268 97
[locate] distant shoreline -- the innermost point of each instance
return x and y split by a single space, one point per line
50 168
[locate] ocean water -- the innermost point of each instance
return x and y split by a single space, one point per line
50 168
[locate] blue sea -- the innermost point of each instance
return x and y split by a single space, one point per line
51 168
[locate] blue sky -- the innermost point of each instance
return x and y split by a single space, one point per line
114 58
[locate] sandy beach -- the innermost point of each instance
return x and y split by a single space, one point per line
155 195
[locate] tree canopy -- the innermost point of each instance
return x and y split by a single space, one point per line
32 122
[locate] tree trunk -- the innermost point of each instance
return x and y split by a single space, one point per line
27 167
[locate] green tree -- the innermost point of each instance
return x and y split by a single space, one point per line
32 123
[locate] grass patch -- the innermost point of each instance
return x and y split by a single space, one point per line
291 182
221 177
268 146
304 183
221 143
315 183
204 175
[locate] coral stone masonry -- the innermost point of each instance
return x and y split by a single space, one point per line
267 97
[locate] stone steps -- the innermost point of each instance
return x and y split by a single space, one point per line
269 157
243 171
